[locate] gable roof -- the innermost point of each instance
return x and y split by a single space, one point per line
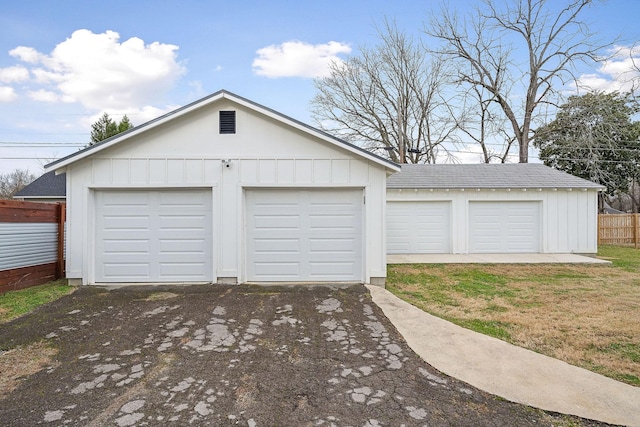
48 185
499 176
222 94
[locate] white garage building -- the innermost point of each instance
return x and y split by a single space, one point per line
490 208
225 190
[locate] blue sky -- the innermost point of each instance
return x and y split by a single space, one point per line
63 63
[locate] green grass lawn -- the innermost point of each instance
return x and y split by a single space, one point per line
585 314
14 304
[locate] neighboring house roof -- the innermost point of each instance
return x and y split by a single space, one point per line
609 210
223 94
48 186
499 176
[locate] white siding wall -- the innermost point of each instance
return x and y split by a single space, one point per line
188 152
569 217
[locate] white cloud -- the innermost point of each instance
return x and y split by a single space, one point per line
14 74
26 54
99 72
43 95
298 59
619 72
196 89
7 94
137 116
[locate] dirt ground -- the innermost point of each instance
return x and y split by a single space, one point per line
231 355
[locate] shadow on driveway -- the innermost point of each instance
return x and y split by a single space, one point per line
236 355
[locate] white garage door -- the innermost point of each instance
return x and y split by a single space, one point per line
418 227
304 235
153 236
504 227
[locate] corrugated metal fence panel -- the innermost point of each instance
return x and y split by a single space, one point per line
27 244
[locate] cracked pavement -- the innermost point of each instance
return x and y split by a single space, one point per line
235 355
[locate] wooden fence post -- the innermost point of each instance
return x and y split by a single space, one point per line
600 220
635 230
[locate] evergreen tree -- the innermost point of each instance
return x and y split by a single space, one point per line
105 127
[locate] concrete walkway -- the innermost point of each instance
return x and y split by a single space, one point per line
511 372
493 259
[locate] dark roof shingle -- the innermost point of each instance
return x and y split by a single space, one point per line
48 185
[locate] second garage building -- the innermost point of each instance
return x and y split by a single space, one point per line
490 208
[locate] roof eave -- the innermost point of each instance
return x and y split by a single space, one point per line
102 145
39 197
72 158
474 188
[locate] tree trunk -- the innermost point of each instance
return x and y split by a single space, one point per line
524 151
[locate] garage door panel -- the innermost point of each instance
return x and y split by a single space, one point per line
397 230
430 247
183 271
126 222
491 247
182 222
522 247
304 235
340 200
126 200
183 199
130 246
133 270
281 245
184 247
277 271
331 245
487 230
418 227
504 227
333 222
398 246
177 234
277 222
170 238
330 269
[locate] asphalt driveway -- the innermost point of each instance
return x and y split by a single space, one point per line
235 355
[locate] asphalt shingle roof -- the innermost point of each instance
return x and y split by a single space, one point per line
508 175
48 185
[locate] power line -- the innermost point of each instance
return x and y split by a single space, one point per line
26 158
42 144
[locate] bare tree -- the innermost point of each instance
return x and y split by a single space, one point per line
12 182
483 125
521 52
389 99
634 79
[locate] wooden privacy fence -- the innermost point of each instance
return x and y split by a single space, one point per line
31 243
621 229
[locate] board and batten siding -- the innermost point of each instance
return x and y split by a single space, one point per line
568 216
189 153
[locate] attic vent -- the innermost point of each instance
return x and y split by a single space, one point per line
227 122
